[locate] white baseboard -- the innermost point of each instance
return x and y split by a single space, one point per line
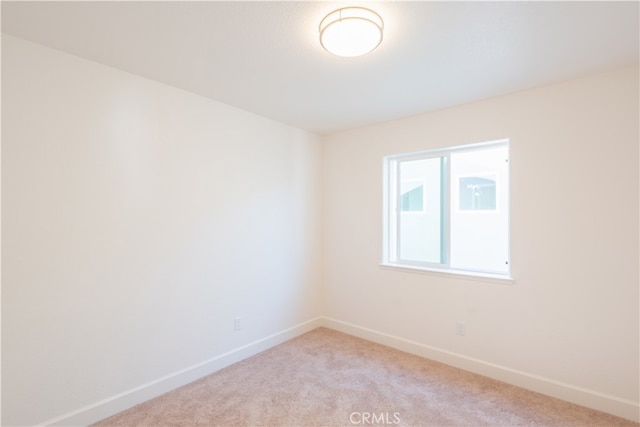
580 396
112 405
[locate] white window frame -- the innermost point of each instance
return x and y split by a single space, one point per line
391 224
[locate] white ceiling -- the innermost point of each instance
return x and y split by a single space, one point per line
265 57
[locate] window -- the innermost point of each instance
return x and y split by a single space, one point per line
448 210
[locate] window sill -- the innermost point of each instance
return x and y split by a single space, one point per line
460 274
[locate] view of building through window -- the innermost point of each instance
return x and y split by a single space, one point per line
450 208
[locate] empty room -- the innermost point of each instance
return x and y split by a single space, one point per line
320 213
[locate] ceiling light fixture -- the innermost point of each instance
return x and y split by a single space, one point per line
351 31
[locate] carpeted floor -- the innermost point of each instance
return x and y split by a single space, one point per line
327 378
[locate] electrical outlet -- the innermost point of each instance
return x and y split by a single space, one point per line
237 323
461 328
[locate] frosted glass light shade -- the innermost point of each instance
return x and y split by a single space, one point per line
351 31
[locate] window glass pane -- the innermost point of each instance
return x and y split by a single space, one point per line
420 216
480 210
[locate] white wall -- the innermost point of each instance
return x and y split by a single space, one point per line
138 220
570 320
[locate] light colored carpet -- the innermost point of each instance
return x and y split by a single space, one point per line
329 378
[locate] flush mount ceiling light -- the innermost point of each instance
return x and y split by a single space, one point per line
351 31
